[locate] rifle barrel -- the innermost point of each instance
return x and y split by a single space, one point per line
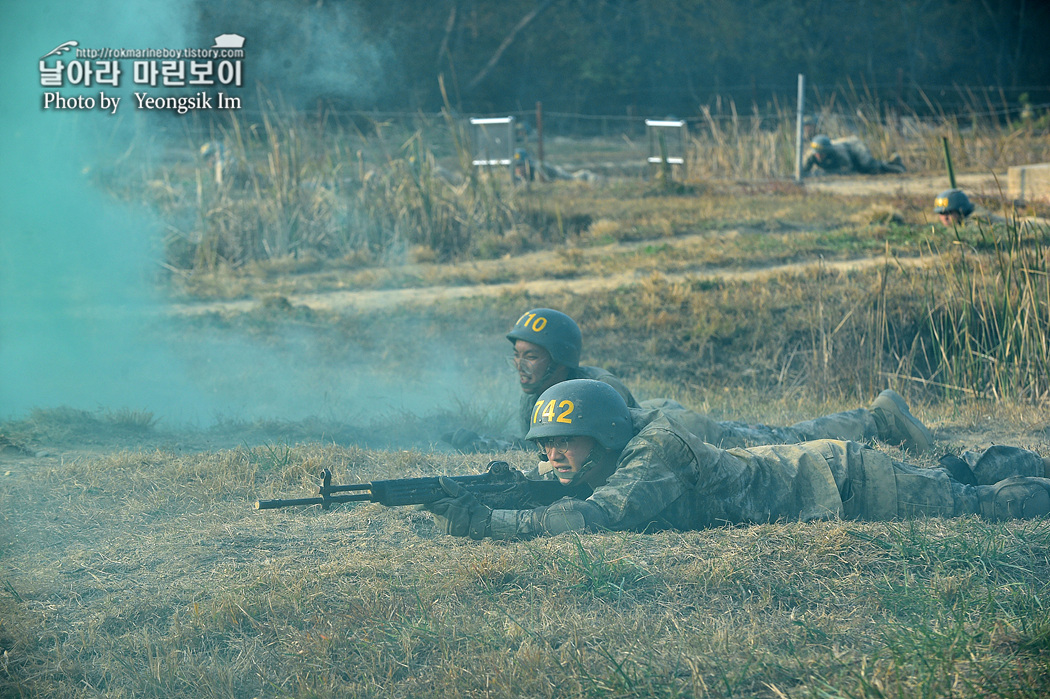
332 500
346 488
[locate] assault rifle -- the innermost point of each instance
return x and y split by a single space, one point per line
500 487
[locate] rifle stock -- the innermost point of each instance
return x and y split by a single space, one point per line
500 487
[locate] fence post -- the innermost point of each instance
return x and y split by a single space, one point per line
798 126
948 161
539 134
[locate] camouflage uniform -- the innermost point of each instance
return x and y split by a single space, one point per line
559 335
985 217
848 155
858 425
668 478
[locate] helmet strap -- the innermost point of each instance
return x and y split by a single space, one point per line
596 461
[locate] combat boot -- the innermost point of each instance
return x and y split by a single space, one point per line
1014 498
896 424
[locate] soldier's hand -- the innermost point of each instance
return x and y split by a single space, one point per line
461 513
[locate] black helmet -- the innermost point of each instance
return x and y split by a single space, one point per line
553 331
820 143
953 200
582 407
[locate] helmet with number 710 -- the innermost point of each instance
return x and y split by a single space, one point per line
582 407
553 331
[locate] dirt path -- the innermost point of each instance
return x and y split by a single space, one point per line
370 300
983 185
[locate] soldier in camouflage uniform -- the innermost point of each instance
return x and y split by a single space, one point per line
845 156
547 345
648 472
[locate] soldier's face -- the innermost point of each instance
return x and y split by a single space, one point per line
950 218
532 363
567 455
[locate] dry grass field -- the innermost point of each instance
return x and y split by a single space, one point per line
132 563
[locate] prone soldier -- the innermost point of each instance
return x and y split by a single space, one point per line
547 346
845 156
648 472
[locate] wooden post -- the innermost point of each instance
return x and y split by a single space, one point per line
798 126
948 161
539 134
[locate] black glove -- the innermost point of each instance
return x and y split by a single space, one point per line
958 469
461 513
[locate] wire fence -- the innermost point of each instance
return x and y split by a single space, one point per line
725 139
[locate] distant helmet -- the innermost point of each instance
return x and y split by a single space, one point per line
521 154
553 331
953 200
213 149
820 143
582 407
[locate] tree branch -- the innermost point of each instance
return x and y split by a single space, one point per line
507 41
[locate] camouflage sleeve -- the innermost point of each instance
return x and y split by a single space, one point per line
655 470
566 515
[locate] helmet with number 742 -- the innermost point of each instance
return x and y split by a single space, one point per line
582 407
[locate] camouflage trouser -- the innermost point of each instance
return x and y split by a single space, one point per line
853 425
834 478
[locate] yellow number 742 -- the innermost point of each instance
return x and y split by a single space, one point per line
547 411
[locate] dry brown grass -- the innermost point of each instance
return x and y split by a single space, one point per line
134 566
146 573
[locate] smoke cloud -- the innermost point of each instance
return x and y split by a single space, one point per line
303 53
81 322
74 265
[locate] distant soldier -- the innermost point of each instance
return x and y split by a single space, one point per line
527 169
647 472
846 155
226 169
524 167
955 209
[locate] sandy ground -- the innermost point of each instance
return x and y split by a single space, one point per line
369 300
983 185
